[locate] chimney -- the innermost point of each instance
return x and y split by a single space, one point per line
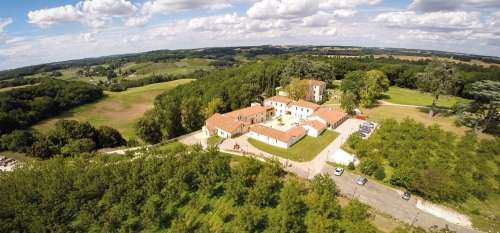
260 126
330 109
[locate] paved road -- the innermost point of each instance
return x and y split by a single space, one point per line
388 200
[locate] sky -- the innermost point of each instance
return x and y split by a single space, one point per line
43 31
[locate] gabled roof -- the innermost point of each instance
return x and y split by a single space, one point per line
272 133
222 122
306 104
330 116
296 131
315 82
317 125
244 112
280 99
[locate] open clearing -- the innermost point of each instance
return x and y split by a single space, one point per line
407 96
119 110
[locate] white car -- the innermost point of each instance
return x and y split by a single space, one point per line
295 123
338 171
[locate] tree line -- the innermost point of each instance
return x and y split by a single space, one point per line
429 161
70 138
22 107
173 190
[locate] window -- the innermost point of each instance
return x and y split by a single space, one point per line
268 138
276 140
295 108
281 105
301 109
307 110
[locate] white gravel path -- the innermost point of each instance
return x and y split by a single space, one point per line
444 213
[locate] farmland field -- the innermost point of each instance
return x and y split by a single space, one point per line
406 96
119 110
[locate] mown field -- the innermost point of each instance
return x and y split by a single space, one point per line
119 110
184 66
407 96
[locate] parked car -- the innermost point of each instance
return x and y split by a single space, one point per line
406 196
361 134
368 124
364 130
338 171
295 123
362 180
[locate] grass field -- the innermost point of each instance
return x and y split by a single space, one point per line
399 95
213 140
416 58
119 110
304 150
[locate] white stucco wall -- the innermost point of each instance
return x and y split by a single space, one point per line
301 111
268 140
280 108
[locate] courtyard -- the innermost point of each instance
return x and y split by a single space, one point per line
286 122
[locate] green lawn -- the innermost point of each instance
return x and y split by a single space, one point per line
302 151
399 95
213 140
119 110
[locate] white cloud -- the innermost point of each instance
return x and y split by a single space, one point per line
347 4
343 13
324 32
228 19
320 19
494 19
284 9
105 8
171 6
4 22
92 13
58 15
443 5
433 20
219 6
137 21
88 37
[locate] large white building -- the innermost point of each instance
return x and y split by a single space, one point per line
316 90
276 137
279 103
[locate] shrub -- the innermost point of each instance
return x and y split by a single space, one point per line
351 166
379 173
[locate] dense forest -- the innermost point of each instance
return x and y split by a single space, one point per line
429 161
173 191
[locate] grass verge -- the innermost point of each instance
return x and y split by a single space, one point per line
302 151
213 140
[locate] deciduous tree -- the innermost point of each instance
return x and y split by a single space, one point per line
297 89
439 77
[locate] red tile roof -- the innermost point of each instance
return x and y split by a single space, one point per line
330 116
306 104
296 131
272 133
247 111
315 82
317 125
280 99
222 122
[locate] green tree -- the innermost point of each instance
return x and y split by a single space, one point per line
297 89
366 86
169 115
148 128
289 214
355 211
78 146
18 141
214 106
192 114
249 218
487 95
108 137
439 77
297 67
349 102
322 71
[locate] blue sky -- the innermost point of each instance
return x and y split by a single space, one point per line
41 31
